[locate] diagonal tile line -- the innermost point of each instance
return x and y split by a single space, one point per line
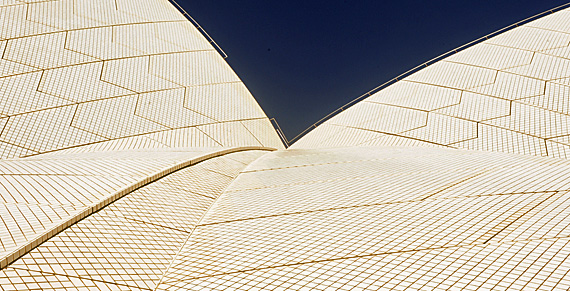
81 278
86 212
419 200
451 185
352 257
191 233
503 225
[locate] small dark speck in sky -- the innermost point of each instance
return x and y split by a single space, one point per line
326 53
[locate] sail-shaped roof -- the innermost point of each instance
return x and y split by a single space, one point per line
133 158
508 93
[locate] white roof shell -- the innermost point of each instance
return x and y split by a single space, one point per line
133 158
509 93
128 73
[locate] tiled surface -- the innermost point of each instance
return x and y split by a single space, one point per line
125 96
42 193
508 94
130 243
78 72
107 248
383 218
527 265
21 279
337 233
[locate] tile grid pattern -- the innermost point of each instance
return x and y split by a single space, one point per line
120 90
476 225
44 195
130 243
509 93
78 72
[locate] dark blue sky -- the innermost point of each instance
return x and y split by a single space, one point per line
303 59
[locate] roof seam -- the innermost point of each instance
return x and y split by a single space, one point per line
198 224
423 65
46 235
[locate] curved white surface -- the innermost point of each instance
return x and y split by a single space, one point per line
382 218
77 72
125 241
106 108
41 196
509 93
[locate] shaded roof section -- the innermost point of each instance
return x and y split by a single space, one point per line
82 72
510 93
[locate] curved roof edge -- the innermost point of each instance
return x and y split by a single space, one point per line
109 199
299 138
75 73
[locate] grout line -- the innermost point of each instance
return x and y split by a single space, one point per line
356 257
81 278
543 199
417 200
197 225
426 64
49 233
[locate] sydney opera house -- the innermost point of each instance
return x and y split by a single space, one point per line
132 157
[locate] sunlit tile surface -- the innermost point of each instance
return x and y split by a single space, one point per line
508 94
131 242
74 73
41 194
132 157
383 218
